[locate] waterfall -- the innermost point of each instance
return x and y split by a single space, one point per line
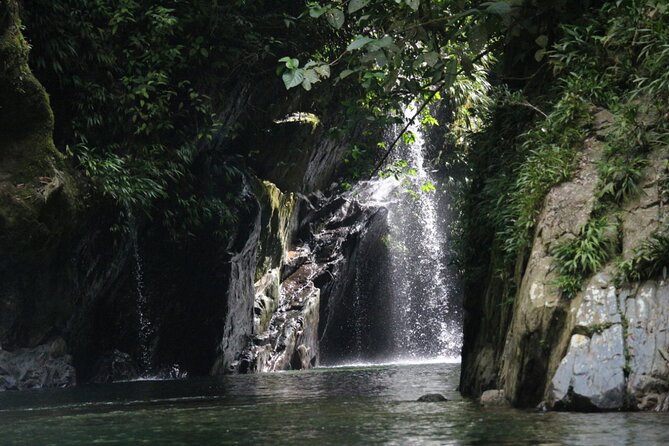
145 329
426 321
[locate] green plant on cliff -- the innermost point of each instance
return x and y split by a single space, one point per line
601 59
578 258
549 154
650 259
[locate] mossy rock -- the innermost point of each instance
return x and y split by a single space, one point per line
276 210
38 206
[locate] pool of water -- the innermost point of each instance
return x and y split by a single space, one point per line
342 405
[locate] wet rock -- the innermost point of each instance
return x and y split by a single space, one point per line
115 366
591 375
647 314
44 366
494 398
432 398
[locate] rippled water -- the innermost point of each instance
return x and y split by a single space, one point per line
354 405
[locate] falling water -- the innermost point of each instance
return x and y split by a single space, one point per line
145 329
426 322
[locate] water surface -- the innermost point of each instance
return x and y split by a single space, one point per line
342 405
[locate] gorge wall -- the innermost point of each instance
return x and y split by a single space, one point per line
83 300
604 349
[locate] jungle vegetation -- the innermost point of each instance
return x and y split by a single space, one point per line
141 92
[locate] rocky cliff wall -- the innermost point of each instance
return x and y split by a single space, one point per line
36 207
117 304
605 349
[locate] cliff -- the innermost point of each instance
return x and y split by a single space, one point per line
91 290
567 205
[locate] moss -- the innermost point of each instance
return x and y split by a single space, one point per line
593 329
276 212
24 104
34 184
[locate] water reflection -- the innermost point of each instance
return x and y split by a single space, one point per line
353 405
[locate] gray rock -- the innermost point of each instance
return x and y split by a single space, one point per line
432 398
647 313
591 375
44 366
115 366
494 398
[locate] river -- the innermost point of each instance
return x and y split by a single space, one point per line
372 404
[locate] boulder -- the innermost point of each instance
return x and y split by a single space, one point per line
44 366
115 366
494 398
432 398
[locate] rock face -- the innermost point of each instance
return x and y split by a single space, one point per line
606 349
189 306
36 211
116 366
34 368
493 398
300 292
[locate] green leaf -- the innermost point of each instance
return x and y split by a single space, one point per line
292 78
356 5
431 58
358 43
346 73
335 18
542 41
311 76
317 11
323 70
499 8
428 187
376 45
413 4
539 55
451 73
291 64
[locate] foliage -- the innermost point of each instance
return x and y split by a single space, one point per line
649 259
578 258
620 176
550 150
137 87
399 52
598 59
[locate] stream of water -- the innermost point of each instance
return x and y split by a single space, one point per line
348 405
426 320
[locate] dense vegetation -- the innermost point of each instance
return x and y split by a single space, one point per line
142 95
614 57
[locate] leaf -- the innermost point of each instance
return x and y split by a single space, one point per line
499 8
539 55
306 84
413 4
431 58
356 5
311 76
451 73
335 18
291 64
346 73
323 70
358 43
317 11
542 41
292 78
376 45
380 58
